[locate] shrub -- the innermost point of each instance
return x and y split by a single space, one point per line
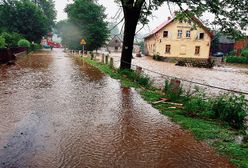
2 42
157 57
201 63
235 59
231 53
172 92
140 78
11 39
198 106
230 108
244 53
23 43
35 47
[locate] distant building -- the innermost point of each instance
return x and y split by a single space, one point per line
178 39
240 44
115 44
224 45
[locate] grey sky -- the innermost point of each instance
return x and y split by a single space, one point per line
159 15
111 8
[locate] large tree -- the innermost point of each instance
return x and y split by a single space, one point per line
89 17
48 7
230 15
24 17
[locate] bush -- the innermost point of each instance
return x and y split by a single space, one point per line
235 59
172 92
35 47
23 43
139 78
11 39
244 53
2 42
157 57
230 108
198 106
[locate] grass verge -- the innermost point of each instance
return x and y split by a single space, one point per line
218 135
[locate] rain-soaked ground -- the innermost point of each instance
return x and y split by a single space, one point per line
57 111
231 77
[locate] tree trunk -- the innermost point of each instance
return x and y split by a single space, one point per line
131 20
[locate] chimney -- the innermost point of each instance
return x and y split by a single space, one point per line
169 18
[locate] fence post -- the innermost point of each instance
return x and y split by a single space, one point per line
111 62
91 55
175 85
138 69
103 58
106 59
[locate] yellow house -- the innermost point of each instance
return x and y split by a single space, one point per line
179 39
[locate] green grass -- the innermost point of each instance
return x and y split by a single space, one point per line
217 134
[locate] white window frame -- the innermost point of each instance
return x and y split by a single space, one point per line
179 34
188 34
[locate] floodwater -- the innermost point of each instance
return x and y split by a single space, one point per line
227 76
58 112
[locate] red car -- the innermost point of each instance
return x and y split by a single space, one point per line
53 44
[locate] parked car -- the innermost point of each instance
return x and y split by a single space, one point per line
218 54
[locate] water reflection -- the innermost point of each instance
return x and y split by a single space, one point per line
83 118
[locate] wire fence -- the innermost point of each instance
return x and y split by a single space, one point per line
165 76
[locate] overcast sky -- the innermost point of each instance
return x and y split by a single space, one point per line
159 16
111 8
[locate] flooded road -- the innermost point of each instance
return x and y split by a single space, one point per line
58 112
228 76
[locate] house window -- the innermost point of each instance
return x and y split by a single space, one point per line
167 48
189 22
180 21
197 50
201 36
116 41
179 33
188 34
165 34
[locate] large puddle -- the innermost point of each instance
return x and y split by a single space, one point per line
57 111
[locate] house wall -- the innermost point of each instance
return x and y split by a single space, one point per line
180 48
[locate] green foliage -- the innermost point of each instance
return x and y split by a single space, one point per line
198 106
35 47
157 57
244 53
26 18
11 39
23 43
230 108
2 42
48 8
89 18
140 78
171 91
235 59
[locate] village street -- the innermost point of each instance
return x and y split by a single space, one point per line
57 111
228 77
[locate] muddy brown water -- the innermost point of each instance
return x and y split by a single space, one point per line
57 111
